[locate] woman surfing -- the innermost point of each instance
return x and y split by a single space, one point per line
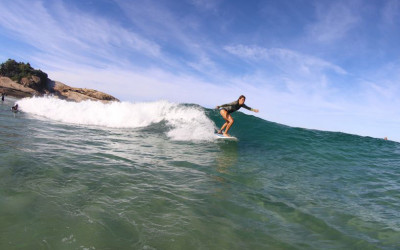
227 109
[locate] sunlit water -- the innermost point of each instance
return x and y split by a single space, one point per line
151 176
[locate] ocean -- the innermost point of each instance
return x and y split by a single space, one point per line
151 176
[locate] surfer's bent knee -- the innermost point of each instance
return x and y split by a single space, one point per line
229 118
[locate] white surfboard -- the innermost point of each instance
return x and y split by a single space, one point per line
222 137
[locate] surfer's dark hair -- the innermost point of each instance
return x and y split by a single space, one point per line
242 96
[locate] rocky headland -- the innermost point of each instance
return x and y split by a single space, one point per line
21 80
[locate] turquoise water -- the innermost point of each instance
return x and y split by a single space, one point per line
83 180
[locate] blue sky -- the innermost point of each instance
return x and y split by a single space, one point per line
330 65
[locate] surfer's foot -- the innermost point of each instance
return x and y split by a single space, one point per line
219 131
225 134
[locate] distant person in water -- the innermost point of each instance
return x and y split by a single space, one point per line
2 96
15 108
227 109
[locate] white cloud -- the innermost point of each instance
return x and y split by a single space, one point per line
158 21
178 32
381 90
145 84
211 5
67 32
285 58
248 52
334 21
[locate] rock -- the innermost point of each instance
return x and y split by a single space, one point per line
9 87
32 86
66 92
32 82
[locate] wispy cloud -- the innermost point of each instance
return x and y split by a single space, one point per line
333 21
181 36
287 59
304 77
381 89
67 32
156 20
210 5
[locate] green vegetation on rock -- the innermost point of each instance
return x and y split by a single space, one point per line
18 70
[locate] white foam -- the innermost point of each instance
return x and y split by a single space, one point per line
186 122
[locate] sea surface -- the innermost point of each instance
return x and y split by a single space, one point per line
151 176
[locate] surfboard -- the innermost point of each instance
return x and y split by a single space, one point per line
222 137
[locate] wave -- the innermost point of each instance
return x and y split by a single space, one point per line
185 122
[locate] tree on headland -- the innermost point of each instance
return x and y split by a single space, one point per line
18 71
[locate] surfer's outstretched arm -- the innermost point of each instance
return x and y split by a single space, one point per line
255 110
248 108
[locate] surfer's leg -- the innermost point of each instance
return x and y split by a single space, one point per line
229 125
222 128
224 115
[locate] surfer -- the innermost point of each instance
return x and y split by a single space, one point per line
14 108
2 96
227 109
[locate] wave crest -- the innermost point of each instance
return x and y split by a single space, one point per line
186 122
